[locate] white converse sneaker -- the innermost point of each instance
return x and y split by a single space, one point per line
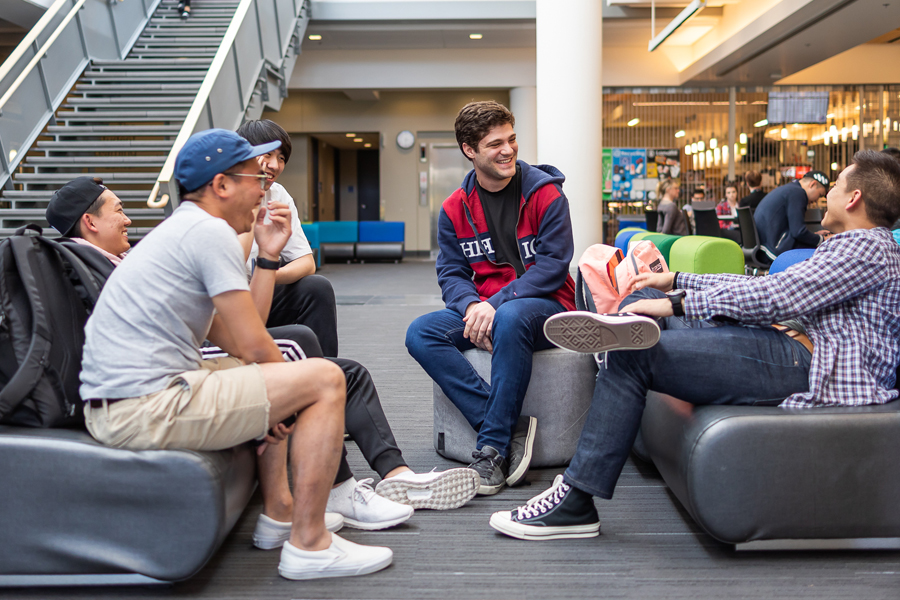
362 508
438 490
270 534
342 559
582 331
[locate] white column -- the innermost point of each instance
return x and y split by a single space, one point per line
523 104
569 107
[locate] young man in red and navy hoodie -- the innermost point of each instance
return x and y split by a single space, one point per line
505 242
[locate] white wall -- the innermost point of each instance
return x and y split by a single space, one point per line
330 112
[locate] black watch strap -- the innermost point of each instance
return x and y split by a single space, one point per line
265 263
676 297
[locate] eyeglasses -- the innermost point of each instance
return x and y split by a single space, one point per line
260 176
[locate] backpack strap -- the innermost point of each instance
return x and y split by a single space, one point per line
31 367
84 273
583 301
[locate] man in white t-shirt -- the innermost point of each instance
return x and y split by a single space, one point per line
146 386
301 296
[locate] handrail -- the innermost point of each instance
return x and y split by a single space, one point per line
200 101
40 54
30 38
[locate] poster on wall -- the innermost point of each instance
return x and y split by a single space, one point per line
629 169
633 174
607 173
661 166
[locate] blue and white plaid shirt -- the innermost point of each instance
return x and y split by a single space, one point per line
847 297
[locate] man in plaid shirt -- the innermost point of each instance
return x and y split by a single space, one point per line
825 332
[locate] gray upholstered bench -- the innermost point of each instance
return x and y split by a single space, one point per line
76 512
559 396
770 478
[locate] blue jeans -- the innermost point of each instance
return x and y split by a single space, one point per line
698 362
436 341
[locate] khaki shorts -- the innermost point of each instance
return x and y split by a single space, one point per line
219 406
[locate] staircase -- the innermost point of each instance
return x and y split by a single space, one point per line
120 120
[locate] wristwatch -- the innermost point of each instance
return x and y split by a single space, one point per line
676 297
265 263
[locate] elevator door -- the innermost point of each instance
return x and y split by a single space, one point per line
446 169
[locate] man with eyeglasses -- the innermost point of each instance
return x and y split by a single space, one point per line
146 385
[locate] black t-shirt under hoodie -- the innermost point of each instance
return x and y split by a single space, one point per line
501 211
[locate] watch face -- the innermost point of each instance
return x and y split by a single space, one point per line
406 139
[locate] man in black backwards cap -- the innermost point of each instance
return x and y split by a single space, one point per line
780 215
90 214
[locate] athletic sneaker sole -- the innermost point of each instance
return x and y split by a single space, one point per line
517 477
450 489
301 575
354 524
591 333
502 523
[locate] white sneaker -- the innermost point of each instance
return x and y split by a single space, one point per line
438 490
362 508
589 332
270 534
342 559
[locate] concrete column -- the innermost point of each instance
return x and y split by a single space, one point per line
569 107
523 104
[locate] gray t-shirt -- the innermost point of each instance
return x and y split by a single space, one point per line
156 308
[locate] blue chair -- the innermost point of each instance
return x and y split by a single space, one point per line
625 235
791 257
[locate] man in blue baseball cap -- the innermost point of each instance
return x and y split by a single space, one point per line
146 385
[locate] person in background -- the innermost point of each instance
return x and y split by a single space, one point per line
728 206
753 179
671 219
780 217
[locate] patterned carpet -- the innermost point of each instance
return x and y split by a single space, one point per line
649 546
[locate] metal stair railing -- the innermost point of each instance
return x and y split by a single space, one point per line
249 72
42 69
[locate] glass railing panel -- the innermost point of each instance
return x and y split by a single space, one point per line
64 62
27 106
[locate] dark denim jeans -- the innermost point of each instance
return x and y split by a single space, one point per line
436 341
698 362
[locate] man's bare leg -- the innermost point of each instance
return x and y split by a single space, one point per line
316 388
278 502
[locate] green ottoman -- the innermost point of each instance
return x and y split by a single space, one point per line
702 254
663 243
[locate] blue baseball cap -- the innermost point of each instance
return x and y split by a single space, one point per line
214 151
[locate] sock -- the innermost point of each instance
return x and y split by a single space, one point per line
341 495
578 494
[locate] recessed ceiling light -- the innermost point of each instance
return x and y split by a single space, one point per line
350 134
357 139
475 36
315 37
367 145
633 122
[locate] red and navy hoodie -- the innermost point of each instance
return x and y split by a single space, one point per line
466 268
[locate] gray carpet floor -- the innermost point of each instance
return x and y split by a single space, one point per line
649 547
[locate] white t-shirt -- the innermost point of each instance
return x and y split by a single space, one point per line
156 308
297 246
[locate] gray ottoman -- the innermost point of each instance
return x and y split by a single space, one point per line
559 396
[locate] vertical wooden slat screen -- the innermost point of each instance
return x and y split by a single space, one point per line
871 114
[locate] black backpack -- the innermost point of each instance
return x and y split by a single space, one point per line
46 293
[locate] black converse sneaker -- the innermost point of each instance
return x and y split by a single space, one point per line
589 332
560 512
491 469
520 450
